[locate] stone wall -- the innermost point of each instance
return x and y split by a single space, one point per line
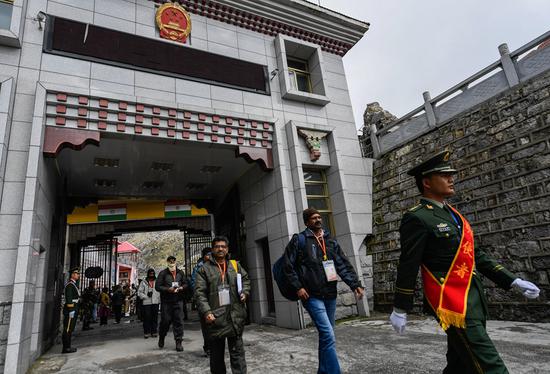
502 151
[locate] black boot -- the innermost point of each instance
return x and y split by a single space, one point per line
179 347
161 341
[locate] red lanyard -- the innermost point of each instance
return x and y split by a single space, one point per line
322 245
222 272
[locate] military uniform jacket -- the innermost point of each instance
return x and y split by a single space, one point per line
431 236
72 296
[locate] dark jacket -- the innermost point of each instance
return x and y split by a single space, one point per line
164 282
72 298
118 297
304 266
230 319
430 236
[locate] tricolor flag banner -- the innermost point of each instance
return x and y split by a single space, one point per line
113 212
177 209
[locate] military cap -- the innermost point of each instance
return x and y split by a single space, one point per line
436 164
74 269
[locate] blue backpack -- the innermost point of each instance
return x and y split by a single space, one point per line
282 281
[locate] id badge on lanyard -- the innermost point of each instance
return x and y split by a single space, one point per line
223 295
223 289
330 270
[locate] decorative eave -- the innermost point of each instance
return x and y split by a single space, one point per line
332 31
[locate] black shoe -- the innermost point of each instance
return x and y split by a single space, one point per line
179 347
161 341
87 328
153 335
68 350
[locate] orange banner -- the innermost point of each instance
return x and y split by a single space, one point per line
449 299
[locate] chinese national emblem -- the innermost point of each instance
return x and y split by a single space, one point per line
173 22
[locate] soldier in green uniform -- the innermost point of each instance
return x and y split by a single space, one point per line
437 239
70 309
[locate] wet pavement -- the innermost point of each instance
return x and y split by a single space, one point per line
364 346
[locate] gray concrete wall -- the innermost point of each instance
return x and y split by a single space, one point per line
502 151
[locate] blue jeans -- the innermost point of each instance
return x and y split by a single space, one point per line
322 313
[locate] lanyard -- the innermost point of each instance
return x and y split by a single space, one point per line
174 274
453 215
321 243
151 283
222 272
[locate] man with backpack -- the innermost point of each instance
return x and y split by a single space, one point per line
311 263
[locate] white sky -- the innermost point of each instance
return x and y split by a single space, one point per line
430 45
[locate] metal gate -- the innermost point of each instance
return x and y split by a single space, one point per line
99 254
194 243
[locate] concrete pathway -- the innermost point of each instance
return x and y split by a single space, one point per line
364 346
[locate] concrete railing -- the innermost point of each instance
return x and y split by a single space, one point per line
510 70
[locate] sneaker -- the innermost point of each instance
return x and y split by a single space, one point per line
161 341
179 347
146 336
68 350
153 335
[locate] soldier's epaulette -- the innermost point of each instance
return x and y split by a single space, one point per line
415 208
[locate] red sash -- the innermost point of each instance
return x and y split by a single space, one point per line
449 299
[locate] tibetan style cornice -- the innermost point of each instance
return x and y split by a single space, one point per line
332 31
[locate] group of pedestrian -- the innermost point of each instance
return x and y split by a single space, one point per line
435 238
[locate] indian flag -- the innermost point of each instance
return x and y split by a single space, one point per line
177 209
114 212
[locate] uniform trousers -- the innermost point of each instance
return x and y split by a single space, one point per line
171 314
471 351
68 328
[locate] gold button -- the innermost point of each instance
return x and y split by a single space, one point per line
446 235
441 280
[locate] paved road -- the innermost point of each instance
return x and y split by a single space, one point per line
367 346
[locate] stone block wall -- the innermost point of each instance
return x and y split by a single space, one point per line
502 151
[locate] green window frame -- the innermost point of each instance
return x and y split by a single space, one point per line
298 72
318 196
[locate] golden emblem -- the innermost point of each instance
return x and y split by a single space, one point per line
461 270
173 22
469 249
446 157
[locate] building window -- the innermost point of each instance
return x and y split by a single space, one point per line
318 196
6 7
300 78
304 78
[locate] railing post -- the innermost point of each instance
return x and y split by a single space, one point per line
429 109
508 65
374 141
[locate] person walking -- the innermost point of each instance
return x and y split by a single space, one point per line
439 241
70 309
221 290
150 299
104 303
312 261
205 258
117 302
171 284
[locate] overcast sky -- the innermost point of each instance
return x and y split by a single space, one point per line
430 45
